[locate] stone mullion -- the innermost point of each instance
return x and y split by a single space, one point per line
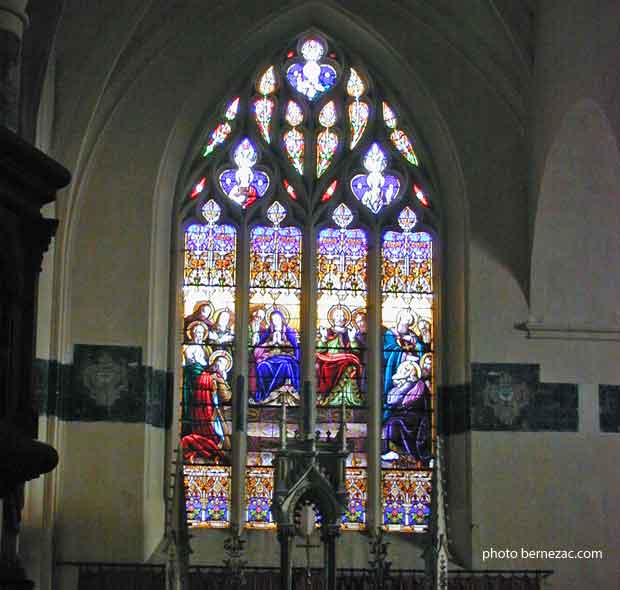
374 372
240 382
308 314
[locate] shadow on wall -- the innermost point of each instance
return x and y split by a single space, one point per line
575 237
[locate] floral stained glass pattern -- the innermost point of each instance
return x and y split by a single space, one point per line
267 82
258 494
358 110
402 143
326 146
207 495
406 500
421 196
220 135
263 111
207 359
327 140
389 117
223 130
293 139
399 138
355 85
356 485
358 120
408 383
294 114
244 185
294 146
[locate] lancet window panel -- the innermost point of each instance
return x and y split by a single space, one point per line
209 283
311 164
408 426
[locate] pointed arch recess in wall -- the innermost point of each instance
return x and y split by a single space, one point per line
309 251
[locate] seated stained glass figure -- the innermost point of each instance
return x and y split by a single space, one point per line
310 76
276 358
407 387
400 343
244 185
375 190
339 368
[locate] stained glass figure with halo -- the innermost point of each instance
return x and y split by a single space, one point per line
408 388
341 346
275 350
208 353
311 76
244 185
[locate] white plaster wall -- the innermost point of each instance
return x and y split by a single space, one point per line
100 500
576 236
544 491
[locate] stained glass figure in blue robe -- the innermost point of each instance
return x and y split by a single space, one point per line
277 357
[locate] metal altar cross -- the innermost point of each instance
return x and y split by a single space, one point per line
307 546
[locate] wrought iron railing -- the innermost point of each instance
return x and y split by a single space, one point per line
141 576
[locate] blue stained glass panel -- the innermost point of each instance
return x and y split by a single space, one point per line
246 192
311 81
375 190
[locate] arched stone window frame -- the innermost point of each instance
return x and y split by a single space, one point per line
375 225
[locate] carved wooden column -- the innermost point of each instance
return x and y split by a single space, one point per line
28 180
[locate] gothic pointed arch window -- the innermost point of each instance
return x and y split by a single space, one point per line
308 266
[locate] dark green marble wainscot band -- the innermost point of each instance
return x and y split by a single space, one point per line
609 408
51 380
510 397
105 383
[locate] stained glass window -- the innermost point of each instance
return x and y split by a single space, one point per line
408 380
374 189
274 349
220 134
311 75
341 343
311 149
358 109
244 184
207 359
